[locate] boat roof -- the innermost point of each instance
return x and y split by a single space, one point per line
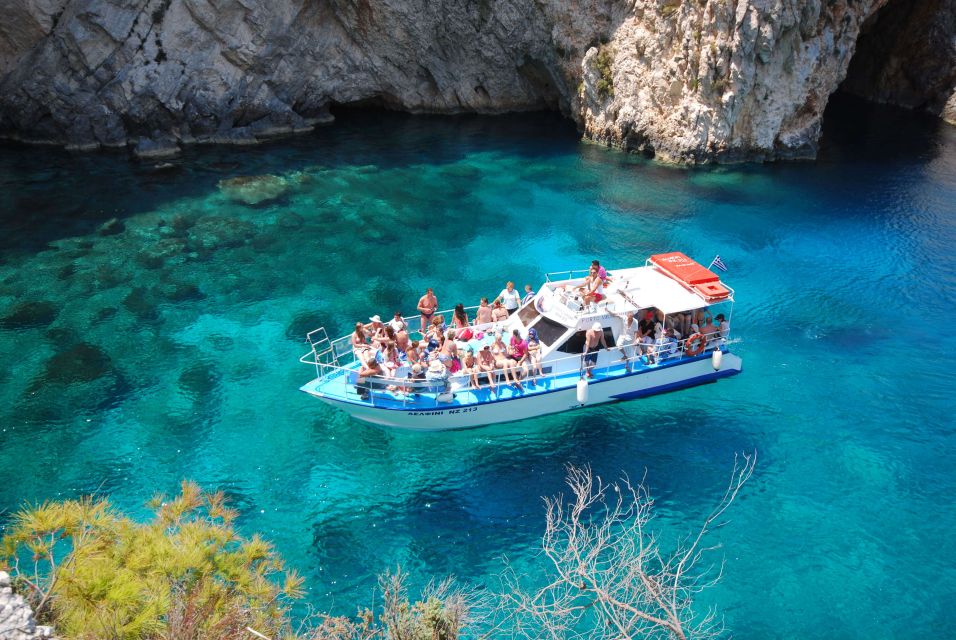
634 289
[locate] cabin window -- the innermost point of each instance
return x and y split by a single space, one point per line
575 343
549 330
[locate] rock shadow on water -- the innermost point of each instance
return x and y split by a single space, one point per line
79 376
30 315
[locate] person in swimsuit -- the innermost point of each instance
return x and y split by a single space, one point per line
593 340
427 305
499 313
359 340
486 365
483 313
500 351
460 318
534 352
469 366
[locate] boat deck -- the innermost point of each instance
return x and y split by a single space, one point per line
336 386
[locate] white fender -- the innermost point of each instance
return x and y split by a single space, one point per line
446 396
582 391
716 358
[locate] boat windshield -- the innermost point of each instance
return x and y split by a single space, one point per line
528 313
549 330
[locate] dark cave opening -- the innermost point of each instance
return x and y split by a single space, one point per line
905 55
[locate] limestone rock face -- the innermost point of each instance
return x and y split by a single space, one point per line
16 616
686 80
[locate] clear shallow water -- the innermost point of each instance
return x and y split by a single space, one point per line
169 350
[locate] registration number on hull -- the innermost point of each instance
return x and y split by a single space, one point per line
443 412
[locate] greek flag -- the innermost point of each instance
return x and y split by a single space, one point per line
718 263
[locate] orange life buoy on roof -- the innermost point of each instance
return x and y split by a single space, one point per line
695 344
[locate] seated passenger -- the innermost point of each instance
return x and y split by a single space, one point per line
666 346
528 294
412 353
469 367
593 289
398 323
436 372
460 318
375 328
448 353
401 341
504 363
483 315
368 370
518 352
486 365
359 341
722 325
534 352
499 313
709 329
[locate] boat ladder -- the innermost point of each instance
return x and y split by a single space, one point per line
324 351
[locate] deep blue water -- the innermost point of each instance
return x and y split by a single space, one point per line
169 349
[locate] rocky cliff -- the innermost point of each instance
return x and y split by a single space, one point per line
685 80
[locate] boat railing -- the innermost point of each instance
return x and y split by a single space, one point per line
412 389
561 276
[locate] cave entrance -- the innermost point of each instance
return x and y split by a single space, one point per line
904 55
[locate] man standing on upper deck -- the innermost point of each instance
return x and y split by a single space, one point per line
427 305
592 338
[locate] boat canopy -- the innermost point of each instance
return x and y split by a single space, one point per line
647 287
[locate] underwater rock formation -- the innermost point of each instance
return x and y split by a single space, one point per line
685 80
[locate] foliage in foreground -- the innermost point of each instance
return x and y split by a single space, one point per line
95 573
187 575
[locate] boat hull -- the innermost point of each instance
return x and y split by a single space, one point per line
640 384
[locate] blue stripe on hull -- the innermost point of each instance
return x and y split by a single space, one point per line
675 386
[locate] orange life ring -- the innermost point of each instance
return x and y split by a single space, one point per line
692 349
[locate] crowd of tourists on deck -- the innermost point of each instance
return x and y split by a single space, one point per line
387 349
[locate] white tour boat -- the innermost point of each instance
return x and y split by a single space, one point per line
677 290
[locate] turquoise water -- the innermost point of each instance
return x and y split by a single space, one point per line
168 349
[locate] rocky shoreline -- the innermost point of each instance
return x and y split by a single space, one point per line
683 81
16 616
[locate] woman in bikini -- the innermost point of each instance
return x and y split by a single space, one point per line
500 351
499 313
359 342
460 318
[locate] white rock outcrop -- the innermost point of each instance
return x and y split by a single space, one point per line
685 80
16 616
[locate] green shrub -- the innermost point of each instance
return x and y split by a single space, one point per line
94 573
603 63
